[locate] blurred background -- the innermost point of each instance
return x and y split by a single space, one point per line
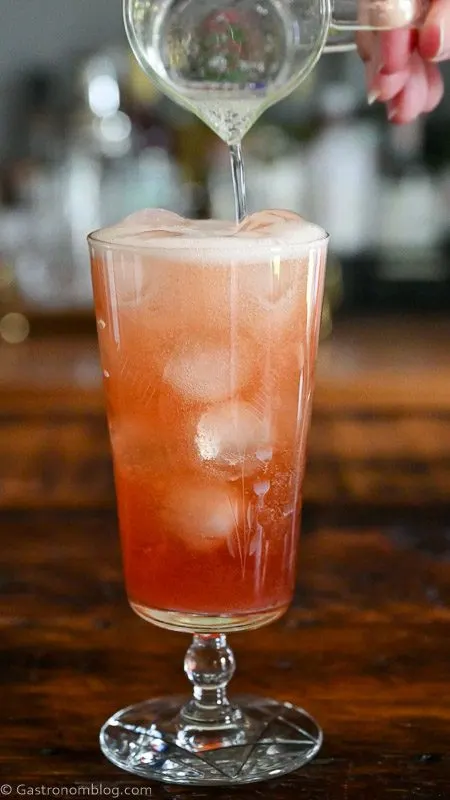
86 139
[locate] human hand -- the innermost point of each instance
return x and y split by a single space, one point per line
402 65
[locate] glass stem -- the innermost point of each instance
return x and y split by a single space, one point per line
209 718
238 175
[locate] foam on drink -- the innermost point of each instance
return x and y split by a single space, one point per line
278 229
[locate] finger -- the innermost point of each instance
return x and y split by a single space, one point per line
435 87
412 100
365 43
385 82
393 49
383 87
434 37
389 16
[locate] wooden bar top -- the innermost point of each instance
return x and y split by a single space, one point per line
381 362
365 648
380 430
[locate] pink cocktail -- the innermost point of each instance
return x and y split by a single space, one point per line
208 335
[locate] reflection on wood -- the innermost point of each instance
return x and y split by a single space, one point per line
54 461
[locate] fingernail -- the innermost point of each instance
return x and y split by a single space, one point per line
373 91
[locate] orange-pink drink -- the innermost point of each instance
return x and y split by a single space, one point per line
208 334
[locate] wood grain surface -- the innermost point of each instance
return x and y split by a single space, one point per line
365 648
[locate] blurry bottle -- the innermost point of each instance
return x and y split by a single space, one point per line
41 99
444 190
411 219
342 191
412 272
156 178
42 247
194 143
276 170
143 102
219 183
343 174
40 138
13 225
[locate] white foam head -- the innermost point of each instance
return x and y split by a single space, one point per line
159 229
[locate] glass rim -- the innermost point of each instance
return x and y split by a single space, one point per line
228 244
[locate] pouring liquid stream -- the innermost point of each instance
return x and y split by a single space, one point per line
238 178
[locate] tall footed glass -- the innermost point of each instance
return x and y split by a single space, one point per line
208 336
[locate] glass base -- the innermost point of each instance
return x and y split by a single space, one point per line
185 622
151 740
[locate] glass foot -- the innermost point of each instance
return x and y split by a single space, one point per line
149 739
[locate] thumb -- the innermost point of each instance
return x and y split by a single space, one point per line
434 37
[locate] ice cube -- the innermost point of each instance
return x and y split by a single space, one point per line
204 515
234 437
203 372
